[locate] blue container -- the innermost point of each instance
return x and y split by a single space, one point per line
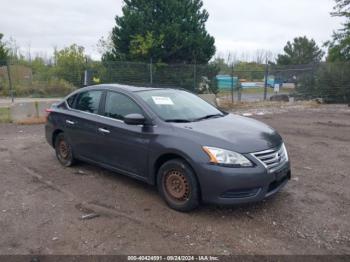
272 81
225 82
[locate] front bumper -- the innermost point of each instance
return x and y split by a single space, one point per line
228 186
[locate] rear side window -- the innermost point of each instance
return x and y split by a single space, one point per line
89 101
70 100
118 106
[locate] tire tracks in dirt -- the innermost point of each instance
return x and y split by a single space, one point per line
95 206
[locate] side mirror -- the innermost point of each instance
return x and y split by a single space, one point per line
134 119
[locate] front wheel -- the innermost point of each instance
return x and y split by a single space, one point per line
64 151
178 185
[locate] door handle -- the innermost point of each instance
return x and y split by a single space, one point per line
70 122
104 131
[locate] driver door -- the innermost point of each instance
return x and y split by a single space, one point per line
125 146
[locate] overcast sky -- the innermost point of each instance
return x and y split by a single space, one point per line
240 26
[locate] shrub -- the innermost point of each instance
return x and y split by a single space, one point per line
328 81
51 88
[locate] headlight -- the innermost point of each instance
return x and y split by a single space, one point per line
225 157
285 151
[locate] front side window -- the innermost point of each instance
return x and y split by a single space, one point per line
89 101
118 106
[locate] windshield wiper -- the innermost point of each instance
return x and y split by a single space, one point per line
209 116
178 121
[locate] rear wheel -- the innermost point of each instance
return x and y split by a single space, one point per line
178 185
64 151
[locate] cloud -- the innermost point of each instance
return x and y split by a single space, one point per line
240 26
245 26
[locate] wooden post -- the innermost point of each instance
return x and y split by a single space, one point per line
10 82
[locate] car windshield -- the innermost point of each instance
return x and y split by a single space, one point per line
179 106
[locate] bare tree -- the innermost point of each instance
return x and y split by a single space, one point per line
262 56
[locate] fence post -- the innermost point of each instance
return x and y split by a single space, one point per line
266 76
85 82
151 71
10 81
239 91
109 72
232 86
194 76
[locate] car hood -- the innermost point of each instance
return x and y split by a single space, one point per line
233 132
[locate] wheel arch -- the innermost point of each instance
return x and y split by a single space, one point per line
163 158
54 136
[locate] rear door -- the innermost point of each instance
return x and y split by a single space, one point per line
81 125
125 146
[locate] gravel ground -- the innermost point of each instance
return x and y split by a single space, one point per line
42 203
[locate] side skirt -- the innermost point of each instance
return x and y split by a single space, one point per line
115 170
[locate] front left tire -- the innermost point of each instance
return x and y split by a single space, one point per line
178 185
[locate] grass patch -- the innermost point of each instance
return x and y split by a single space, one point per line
5 115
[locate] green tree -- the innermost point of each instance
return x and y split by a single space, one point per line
250 71
3 50
70 63
301 51
339 46
41 71
223 67
169 31
244 70
145 46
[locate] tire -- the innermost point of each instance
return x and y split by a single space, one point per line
64 151
178 185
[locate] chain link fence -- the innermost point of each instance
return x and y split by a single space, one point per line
330 82
25 79
195 78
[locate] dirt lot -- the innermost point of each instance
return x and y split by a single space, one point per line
42 203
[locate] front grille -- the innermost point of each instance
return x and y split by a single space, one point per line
272 159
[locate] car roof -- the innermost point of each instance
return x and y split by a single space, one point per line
122 87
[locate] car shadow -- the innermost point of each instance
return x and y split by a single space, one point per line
146 190
100 172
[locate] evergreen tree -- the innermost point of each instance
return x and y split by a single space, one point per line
3 51
301 51
169 31
339 46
